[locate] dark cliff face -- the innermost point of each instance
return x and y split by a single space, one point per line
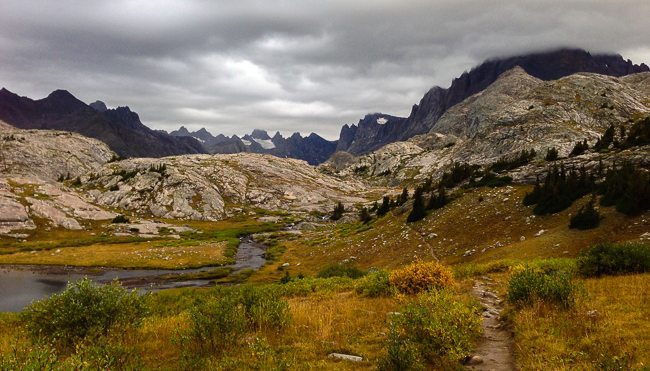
546 66
370 133
119 128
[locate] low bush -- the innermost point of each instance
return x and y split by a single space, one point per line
341 270
421 276
120 219
586 218
402 353
264 308
374 284
434 328
530 285
84 311
219 323
215 324
610 259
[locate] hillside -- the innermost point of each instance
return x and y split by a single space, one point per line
517 112
546 66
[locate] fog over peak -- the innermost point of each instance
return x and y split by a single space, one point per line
288 66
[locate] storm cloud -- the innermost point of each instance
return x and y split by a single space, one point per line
301 65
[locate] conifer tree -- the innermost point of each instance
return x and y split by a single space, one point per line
385 206
339 209
551 154
418 212
587 217
364 215
401 200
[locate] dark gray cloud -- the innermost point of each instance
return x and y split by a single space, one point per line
301 65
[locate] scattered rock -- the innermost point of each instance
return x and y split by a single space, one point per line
473 360
346 357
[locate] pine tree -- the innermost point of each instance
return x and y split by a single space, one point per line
438 200
579 148
339 209
551 154
401 200
587 217
418 212
385 206
606 140
364 215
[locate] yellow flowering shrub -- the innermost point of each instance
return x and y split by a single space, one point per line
421 276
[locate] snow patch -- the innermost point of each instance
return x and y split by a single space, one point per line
246 142
265 143
199 139
382 120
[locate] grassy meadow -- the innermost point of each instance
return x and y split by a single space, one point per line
308 304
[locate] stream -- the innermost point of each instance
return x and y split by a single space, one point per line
22 284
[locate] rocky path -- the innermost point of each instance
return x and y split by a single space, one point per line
494 351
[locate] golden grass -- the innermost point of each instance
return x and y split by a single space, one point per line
320 324
619 331
492 228
127 255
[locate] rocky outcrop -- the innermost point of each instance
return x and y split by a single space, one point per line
119 128
211 187
517 112
49 154
545 66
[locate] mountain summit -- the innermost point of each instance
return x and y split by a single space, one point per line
120 128
368 136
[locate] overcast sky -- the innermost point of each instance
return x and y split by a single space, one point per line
300 65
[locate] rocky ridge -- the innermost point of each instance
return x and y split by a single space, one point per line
313 148
212 187
54 179
516 112
547 66
120 128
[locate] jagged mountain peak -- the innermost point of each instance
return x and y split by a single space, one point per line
98 106
260 134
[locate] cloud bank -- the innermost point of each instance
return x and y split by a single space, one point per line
300 65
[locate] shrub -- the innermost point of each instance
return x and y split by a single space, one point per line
608 259
402 354
120 219
530 285
215 324
340 270
219 323
586 218
440 329
84 311
264 308
421 276
374 284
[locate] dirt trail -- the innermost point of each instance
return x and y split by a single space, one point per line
494 351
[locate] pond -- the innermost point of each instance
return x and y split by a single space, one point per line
20 285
